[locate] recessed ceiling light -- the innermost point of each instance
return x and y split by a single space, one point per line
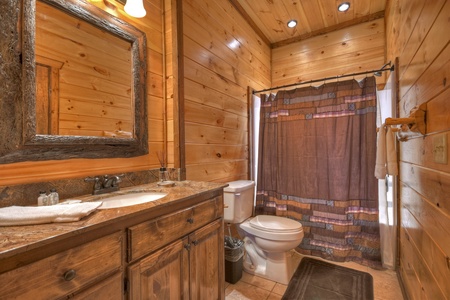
344 6
292 23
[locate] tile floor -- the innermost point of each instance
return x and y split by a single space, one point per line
250 287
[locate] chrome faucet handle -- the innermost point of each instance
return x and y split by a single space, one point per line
112 181
118 179
97 183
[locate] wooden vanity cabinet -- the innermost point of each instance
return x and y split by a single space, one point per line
175 254
189 261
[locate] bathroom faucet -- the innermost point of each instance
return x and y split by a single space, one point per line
112 181
105 184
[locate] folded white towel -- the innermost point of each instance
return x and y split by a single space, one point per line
28 215
391 153
380 164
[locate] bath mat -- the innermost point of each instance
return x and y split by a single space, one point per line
318 280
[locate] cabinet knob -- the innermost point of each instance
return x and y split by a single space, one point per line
69 275
187 246
195 243
190 220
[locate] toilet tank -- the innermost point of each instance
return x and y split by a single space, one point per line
238 200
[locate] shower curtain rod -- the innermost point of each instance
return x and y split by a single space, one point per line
376 73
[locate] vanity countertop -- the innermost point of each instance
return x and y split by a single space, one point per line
19 239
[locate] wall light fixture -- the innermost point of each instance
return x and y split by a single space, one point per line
134 8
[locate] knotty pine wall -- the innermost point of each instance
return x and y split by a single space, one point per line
354 49
222 57
29 172
417 33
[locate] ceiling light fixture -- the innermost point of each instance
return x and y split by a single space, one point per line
135 8
344 6
292 23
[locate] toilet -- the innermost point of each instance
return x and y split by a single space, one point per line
268 240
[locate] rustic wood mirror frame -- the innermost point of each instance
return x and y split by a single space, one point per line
25 144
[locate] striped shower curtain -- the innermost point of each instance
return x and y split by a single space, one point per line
316 165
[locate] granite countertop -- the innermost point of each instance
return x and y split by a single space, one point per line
19 239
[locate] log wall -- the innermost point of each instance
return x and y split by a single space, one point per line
417 33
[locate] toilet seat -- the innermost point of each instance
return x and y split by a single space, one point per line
275 224
273 228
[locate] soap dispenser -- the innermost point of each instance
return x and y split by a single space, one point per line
53 197
43 198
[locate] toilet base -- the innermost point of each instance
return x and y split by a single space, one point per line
278 267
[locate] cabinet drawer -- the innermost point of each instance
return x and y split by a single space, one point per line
146 237
65 272
110 288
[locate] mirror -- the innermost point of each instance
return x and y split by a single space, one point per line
83 77
77 100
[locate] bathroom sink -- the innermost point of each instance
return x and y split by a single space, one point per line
130 199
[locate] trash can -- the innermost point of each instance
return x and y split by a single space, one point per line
234 253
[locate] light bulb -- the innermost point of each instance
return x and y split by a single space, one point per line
292 23
135 8
344 6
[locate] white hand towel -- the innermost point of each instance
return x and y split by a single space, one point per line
391 154
28 215
380 164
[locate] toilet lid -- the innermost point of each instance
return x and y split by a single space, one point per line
275 224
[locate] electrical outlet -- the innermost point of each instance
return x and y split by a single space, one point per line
440 148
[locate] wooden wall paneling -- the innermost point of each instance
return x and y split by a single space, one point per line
200 134
169 81
239 72
428 33
205 95
235 28
338 65
407 274
407 15
423 277
432 255
155 107
233 22
417 38
429 43
214 153
224 45
178 74
433 185
222 56
327 55
218 172
317 43
429 84
419 151
209 78
328 50
438 112
202 114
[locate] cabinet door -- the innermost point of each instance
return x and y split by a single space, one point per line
206 257
162 275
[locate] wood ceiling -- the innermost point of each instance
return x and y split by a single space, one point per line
314 17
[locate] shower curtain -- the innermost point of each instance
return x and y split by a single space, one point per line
316 165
